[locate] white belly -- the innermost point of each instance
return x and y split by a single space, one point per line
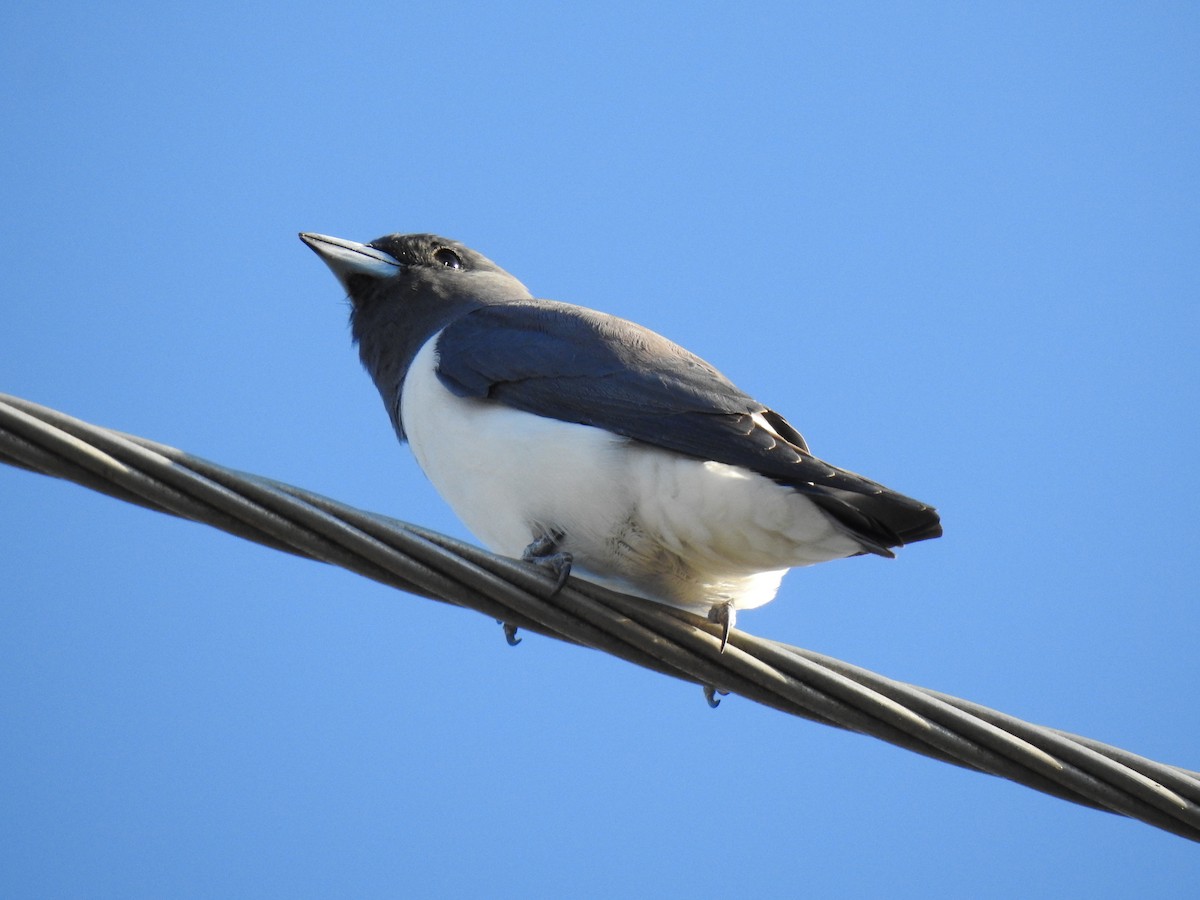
639 519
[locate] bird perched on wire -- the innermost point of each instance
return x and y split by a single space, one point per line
586 443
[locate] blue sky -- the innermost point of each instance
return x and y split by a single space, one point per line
955 246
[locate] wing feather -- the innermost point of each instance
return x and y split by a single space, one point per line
578 365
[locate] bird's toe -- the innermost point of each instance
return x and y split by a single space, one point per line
724 614
544 551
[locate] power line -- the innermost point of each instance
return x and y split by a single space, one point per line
656 637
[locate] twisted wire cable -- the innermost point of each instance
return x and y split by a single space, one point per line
796 681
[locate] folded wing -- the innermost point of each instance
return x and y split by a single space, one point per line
578 365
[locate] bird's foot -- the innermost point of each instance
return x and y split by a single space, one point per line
544 552
724 614
510 633
710 694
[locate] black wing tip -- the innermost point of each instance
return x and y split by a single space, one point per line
880 520
910 526
931 529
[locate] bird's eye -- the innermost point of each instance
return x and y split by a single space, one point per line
448 258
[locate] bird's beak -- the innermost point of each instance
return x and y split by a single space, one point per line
347 259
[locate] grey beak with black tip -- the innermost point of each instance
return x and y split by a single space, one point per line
349 258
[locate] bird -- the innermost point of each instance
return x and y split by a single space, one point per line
590 445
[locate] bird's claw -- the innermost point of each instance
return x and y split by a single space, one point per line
544 552
710 695
510 634
560 566
724 615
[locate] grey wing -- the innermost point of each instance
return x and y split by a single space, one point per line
578 365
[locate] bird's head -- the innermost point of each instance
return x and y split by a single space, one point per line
397 268
403 289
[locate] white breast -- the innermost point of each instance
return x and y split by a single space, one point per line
640 519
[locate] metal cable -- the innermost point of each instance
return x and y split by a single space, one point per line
660 638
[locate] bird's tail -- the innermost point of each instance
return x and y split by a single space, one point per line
881 519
